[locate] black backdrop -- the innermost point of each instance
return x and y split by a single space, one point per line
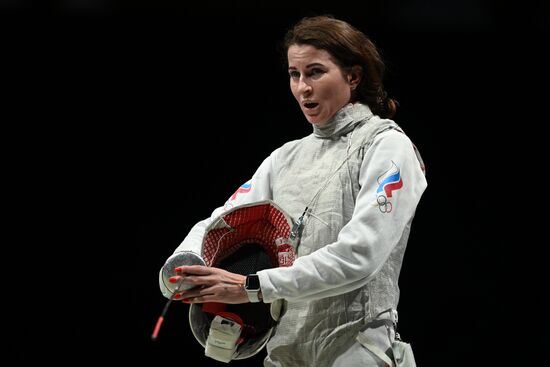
127 122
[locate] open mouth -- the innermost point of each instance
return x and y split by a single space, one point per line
310 105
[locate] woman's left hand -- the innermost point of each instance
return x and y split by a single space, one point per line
212 285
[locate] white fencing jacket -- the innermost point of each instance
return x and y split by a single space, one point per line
361 179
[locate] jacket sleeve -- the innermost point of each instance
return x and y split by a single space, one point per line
256 189
392 181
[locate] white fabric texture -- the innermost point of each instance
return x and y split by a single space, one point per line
361 178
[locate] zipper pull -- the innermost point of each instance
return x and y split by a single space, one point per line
298 226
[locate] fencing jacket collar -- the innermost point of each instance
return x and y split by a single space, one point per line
343 121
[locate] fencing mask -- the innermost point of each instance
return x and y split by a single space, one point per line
243 240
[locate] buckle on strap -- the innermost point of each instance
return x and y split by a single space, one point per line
394 316
389 314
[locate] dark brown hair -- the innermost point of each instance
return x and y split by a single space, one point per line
348 47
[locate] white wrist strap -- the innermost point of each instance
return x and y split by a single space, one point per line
253 297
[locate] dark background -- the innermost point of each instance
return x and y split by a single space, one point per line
126 122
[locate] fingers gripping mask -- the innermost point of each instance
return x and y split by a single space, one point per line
243 240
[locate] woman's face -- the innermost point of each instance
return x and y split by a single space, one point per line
317 83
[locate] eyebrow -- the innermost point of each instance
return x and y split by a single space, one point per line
308 66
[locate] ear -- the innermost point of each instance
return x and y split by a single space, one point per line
355 76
